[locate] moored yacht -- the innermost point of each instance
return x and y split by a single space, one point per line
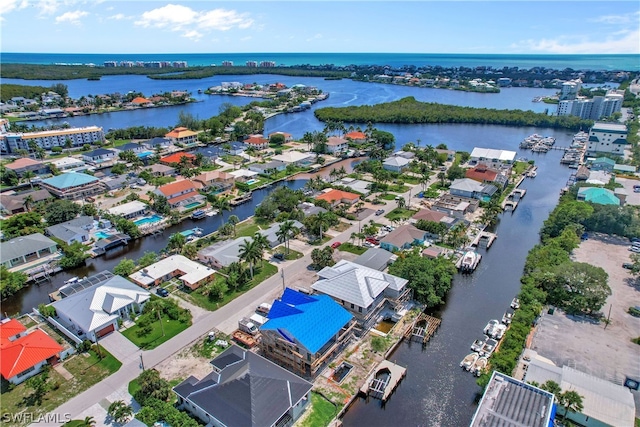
469 360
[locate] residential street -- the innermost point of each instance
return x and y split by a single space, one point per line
224 319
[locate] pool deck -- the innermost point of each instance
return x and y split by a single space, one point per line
378 390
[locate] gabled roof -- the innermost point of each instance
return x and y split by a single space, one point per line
333 195
69 180
26 352
24 245
176 157
598 195
245 389
176 187
311 320
355 283
375 258
98 152
404 234
69 229
97 305
23 162
9 329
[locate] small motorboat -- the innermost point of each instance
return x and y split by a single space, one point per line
498 332
488 348
490 327
469 261
515 303
479 366
72 280
469 361
477 345
507 317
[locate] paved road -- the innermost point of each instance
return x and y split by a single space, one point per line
224 319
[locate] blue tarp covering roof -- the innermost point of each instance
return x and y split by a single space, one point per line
311 320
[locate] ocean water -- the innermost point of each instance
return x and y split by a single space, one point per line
576 62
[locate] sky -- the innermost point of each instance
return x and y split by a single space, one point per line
177 26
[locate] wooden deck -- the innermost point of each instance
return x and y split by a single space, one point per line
417 332
379 388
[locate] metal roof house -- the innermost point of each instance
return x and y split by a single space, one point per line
26 249
305 332
271 233
597 195
510 402
94 311
221 254
244 389
75 230
73 185
376 258
361 290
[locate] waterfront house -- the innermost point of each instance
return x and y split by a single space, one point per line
455 206
139 101
69 164
309 209
75 230
180 193
395 163
19 251
492 158
25 164
295 158
24 355
15 203
361 290
607 138
268 168
257 142
434 216
73 186
356 136
210 152
287 136
362 187
222 254
486 175
191 274
271 233
304 332
336 144
376 258
446 155
604 403
93 307
465 187
599 196
158 143
99 156
161 170
508 401
216 181
175 159
602 164
244 389
137 148
130 210
335 197
182 136
403 237
235 148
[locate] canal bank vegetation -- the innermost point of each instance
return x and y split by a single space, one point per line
552 278
410 111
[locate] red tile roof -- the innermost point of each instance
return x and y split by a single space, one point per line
23 163
26 352
481 173
140 100
176 187
356 135
256 141
176 157
333 195
180 132
10 329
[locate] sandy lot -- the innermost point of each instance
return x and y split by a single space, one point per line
605 351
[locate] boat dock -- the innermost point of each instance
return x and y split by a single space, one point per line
468 268
240 200
422 328
484 239
111 242
383 380
511 201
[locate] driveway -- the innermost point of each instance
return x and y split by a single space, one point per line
120 347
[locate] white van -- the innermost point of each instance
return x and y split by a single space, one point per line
258 320
263 309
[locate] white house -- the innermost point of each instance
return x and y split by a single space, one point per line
192 274
607 138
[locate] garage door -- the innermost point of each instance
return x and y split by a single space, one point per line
105 331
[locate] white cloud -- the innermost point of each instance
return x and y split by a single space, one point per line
11 5
117 17
48 7
193 24
630 18
620 42
72 17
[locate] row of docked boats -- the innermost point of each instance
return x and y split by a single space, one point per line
476 362
538 143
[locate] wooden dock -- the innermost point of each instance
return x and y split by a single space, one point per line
422 328
486 237
383 380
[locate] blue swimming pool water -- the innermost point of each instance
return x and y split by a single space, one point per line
102 235
192 205
147 220
145 154
252 181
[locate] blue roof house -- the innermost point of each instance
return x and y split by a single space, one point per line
73 185
600 196
304 332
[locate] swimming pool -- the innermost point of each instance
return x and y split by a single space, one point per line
102 235
252 181
144 154
147 220
192 205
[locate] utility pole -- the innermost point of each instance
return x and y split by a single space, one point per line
282 275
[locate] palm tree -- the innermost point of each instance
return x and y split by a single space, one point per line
176 241
88 422
286 232
233 220
402 203
27 177
220 203
250 252
189 250
68 144
28 202
262 242
571 401
353 237
323 220
156 306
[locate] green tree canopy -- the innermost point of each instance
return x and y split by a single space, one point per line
58 211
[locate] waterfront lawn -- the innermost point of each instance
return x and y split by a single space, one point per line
247 229
155 337
322 412
86 371
400 214
200 296
119 142
350 247
520 167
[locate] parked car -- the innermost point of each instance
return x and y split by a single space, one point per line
335 244
279 256
636 188
373 240
627 265
162 292
634 249
379 212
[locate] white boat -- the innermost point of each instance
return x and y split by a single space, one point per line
470 260
507 317
479 366
477 345
469 360
490 327
515 303
72 280
489 347
498 332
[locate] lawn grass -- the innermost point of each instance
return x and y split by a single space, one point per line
288 255
410 179
350 247
246 229
520 167
388 196
320 242
155 337
86 372
133 386
197 298
322 412
400 214
342 226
